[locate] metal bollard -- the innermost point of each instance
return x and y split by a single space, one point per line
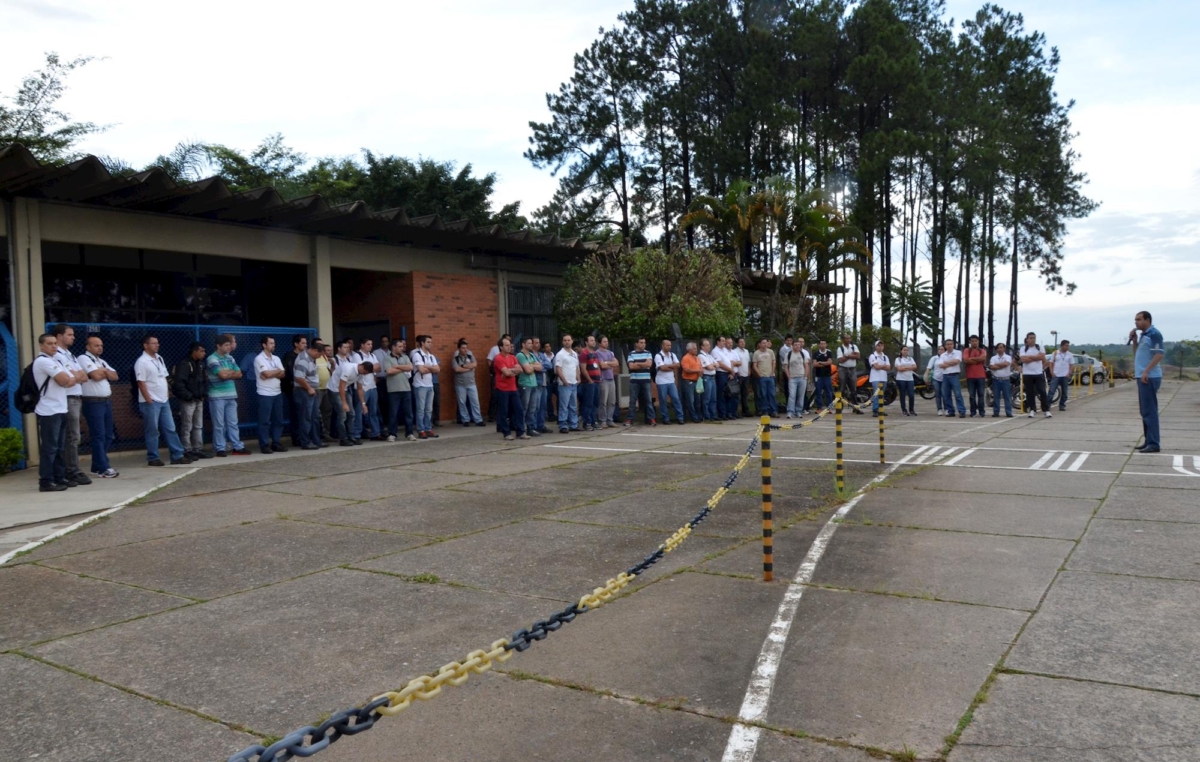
882 415
837 430
767 509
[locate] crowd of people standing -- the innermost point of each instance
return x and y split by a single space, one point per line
347 391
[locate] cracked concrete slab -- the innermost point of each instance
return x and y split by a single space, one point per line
1062 518
1127 630
223 561
41 604
277 658
1152 504
1144 548
94 722
954 566
545 558
1036 719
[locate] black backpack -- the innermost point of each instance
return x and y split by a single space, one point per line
28 394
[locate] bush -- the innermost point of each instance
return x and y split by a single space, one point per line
12 449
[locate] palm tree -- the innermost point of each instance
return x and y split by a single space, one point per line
918 312
737 220
824 243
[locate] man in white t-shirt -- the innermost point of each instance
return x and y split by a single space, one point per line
880 364
1033 375
366 418
1001 366
425 367
905 382
708 373
566 368
150 373
53 379
65 335
743 370
268 375
847 362
797 370
666 363
97 405
345 378
951 363
1061 361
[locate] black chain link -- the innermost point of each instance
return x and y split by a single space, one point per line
358 719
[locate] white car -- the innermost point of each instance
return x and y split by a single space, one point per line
1089 367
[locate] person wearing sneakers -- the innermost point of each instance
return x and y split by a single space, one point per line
190 385
905 383
880 364
1033 375
426 367
1061 361
510 413
223 371
951 364
150 372
708 370
1001 366
974 357
466 392
97 405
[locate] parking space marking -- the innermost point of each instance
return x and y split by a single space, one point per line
1059 463
1177 463
1042 461
962 455
1083 456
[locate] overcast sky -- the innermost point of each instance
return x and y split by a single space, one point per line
461 81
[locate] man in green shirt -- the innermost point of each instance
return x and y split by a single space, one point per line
527 385
223 370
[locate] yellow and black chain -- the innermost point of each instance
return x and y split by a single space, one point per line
307 741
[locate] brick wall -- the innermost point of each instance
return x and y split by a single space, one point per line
448 307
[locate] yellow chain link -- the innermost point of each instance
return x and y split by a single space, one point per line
455 673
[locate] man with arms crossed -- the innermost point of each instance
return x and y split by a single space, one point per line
1061 361
1001 365
97 405
1033 376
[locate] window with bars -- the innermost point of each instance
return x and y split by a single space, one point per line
531 311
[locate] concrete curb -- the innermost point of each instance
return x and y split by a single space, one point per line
90 519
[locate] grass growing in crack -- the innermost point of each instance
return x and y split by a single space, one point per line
907 755
424 578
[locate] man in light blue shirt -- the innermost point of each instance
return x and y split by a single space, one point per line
1148 353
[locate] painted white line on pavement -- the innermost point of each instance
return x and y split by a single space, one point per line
80 524
743 739
924 456
1042 461
1059 463
959 457
1178 465
1079 461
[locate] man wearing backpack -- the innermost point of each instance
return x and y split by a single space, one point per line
50 379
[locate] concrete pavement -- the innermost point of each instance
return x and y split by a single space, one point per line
1018 589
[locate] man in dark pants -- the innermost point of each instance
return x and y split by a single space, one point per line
306 426
1147 354
190 385
1033 375
974 358
53 377
288 383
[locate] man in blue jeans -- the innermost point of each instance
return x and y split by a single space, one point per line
97 405
1061 362
223 370
1147 355
425 370
1001 366
305 403
666 363
268 378
566 367
951 362
150 372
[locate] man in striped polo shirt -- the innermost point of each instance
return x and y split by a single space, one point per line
640 363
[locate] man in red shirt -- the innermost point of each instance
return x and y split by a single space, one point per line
510 414
589 385
975 357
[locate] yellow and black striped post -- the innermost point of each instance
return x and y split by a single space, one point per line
1112 379
882 415
768 514
837 429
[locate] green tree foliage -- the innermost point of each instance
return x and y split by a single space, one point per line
938 141
31 118
646 291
